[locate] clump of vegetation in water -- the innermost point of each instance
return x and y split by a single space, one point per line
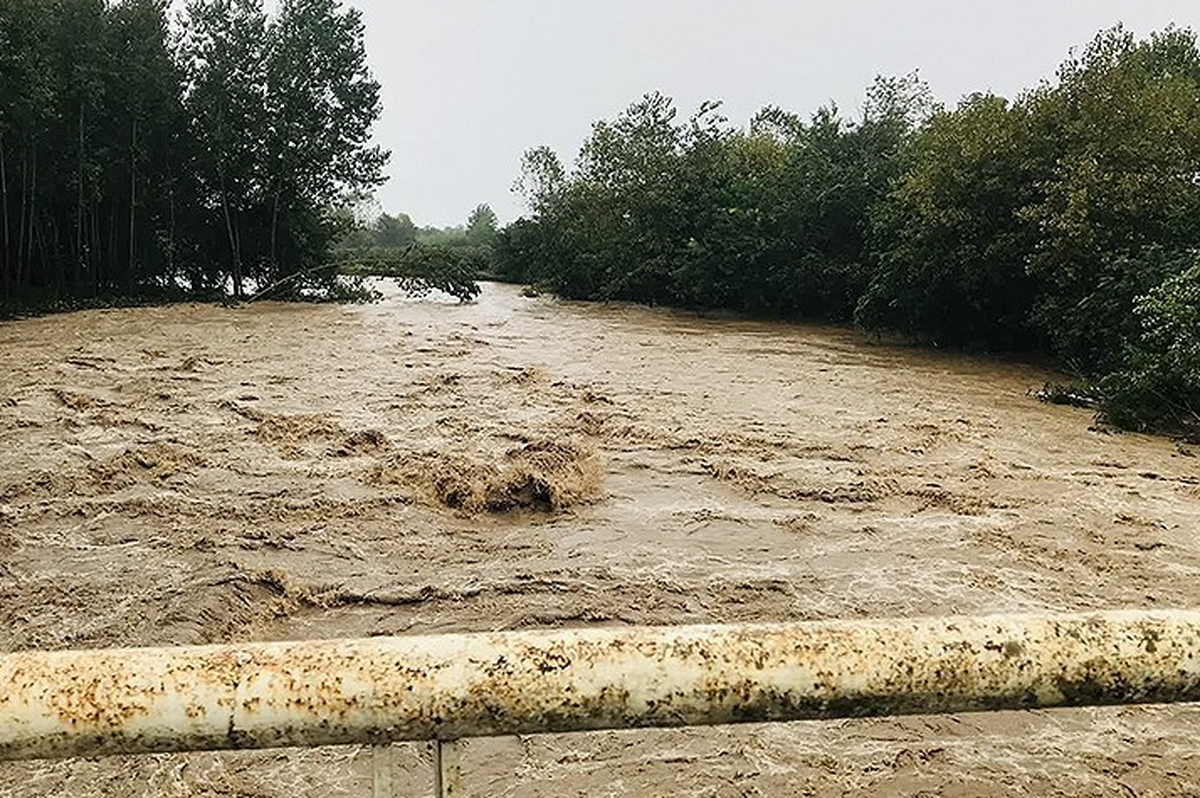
418 269
422 259
1158 387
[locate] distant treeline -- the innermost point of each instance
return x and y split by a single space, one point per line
449 259
386 230
138 158
1066 221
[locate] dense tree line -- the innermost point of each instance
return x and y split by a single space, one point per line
1065 221
141 157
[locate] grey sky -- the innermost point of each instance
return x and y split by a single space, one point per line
468 85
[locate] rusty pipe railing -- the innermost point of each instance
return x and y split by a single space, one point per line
379 690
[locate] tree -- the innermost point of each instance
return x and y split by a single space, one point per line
393 231
1124 125
729 190
224 57
482 225
625 184
1159 385
28 97
542 179
952 241
322 102
134 161
148 114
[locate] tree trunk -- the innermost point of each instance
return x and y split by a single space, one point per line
39 236
32 212
234 246
58 256
132 209
237 243
96 247
171 218
19 266
80 257
113 276
276 271
5 264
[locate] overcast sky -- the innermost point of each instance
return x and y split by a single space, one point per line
468 85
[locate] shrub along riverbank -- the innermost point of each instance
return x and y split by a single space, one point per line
1065 221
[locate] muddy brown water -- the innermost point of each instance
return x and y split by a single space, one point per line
198 474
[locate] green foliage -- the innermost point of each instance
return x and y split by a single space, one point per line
384 231
136 161
419 269
394 231
1122 134
471 245
481 226
1038 224
1159 385
1050 223
772 220
514 250
352 290
953 245
542 178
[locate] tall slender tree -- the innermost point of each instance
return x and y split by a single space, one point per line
321 101
224 56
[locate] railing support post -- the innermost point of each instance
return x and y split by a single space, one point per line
382 767
447 769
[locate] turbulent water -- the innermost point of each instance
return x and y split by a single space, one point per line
197 474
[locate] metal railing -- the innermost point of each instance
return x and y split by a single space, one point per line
450 687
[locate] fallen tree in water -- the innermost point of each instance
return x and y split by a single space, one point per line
418 268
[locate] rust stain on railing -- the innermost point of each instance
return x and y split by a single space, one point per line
449 687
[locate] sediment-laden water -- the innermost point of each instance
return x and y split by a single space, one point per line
197 474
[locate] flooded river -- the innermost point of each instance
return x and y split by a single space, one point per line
199 474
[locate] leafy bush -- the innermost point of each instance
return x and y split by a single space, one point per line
1159 388
419 269
952 244
351 289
